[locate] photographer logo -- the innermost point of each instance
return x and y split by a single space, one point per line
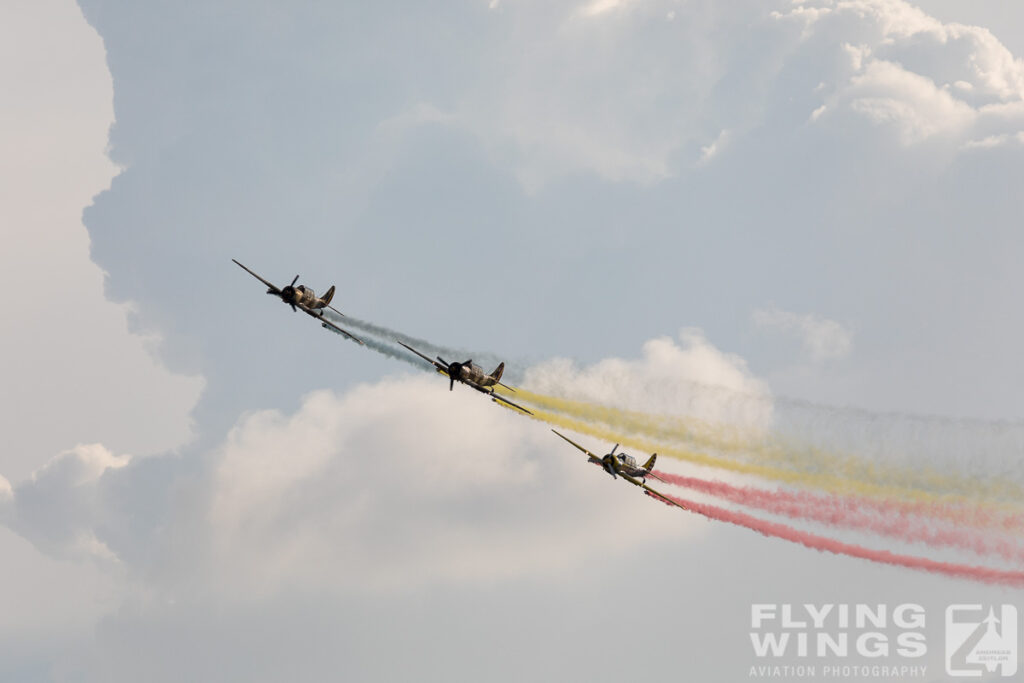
981 639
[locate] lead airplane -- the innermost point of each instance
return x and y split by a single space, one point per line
471 374
625 466
303 298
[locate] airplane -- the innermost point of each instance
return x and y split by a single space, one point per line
623 465
471 374
303 298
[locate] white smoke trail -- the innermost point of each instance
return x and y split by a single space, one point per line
384 340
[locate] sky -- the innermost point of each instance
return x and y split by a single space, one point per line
767 215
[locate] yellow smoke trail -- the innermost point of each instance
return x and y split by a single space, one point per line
865 479
737 444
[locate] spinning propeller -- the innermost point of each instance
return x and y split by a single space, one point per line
454 371
288 293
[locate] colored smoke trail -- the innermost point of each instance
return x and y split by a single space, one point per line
817 480
868 490
888 518
741 451
733 440
1011 578
751 446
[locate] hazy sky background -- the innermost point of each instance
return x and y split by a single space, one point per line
810 204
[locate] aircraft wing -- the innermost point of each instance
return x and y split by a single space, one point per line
499 397
595 457
654 494
432 362
329 325
275 289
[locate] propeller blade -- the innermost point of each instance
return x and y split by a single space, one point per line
451 382
613 449
443 361
295 280
294 310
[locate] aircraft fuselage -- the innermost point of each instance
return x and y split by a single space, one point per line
474 374
621 463
302 296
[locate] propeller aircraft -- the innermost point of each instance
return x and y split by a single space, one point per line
471 374
625 466
303 298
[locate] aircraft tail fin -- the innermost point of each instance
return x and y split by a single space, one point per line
328 295
649 465
497 371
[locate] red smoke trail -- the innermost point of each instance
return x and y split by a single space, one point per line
982 574
890 518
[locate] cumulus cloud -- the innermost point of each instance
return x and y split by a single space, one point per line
822 339
329 495
394 484
902 70
886 94
386 487
630 97
584 95
60 506
692 378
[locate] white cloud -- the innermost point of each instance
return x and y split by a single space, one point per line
59 506
638 99
693 379
71 369
993 141
81 465
888 95
401 483
822 339
597 7
387 487
53 130
908 71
